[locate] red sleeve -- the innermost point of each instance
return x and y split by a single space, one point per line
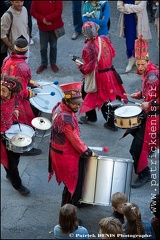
74 139
34 11
56 13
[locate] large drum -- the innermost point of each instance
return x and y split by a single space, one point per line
128 117
105 176
20 141
46 102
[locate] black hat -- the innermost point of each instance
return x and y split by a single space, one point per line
21 44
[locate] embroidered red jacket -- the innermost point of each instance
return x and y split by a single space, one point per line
65 146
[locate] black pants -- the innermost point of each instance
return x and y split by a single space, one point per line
66 196
12 172
136 146
107 112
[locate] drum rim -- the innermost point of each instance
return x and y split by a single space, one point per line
117 159
21 124
38 106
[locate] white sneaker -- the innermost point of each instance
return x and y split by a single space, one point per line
130 65
31 42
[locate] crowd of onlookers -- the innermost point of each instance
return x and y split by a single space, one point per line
125 222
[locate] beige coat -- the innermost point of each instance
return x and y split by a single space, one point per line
140 8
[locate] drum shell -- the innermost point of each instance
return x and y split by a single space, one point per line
103 177
129 122
15 130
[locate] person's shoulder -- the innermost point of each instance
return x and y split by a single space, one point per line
148 229
82 230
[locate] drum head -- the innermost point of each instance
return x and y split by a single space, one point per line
45 103
128 111
14 130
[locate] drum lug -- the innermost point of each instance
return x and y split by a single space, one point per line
130 122
121 122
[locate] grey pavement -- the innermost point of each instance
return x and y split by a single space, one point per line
34 216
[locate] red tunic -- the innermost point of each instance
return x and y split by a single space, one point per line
107 85
15 65
150 92
65 146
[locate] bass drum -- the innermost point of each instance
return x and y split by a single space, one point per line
105 176
45 103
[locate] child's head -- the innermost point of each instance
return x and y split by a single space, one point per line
68 218
109 228
155 205
117 200
9 85
133 216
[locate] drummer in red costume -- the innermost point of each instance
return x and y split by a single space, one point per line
10 89
146 137
109 83
15 65
67 151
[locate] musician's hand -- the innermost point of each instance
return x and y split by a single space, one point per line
31 93
16 113
145 106
134 95
88 153
37 85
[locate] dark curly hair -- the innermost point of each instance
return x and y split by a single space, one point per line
12 83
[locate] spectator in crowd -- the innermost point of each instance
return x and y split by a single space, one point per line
133 21
117 201
10 88
110 228
19 25
134 225
67 154
49 18
27 4
109 83
3 9
15 65
98 12
155 209
77 18
68 226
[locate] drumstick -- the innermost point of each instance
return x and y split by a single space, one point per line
101 149
139 104
126 94
55 83
51 93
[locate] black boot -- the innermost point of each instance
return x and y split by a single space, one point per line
142 179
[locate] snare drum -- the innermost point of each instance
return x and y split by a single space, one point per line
128 117
13 131
45 103
105 176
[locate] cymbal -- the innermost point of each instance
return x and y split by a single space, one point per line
21 140
41 123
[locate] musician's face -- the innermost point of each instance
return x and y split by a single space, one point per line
5 93
74 104
141 65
